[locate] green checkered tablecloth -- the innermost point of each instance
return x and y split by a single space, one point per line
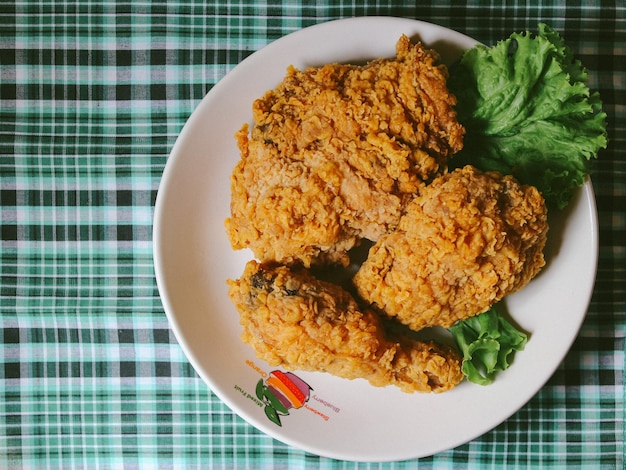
92 97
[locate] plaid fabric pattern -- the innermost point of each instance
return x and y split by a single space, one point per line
92 97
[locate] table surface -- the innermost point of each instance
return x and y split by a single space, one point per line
93 95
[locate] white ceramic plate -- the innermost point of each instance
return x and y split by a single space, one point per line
342 419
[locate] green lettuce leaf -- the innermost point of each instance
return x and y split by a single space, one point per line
488 343
528 112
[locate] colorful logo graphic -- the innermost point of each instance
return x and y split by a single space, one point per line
281 392
278 392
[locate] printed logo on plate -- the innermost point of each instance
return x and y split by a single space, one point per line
279 393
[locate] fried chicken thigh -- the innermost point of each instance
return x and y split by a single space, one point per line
293 320
336 152
465 242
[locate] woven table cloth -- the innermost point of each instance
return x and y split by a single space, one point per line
93 95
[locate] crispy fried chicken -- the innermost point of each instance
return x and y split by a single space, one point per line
336 152
293 320
466 241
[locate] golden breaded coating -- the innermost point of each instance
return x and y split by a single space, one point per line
466 241
293 320
336 152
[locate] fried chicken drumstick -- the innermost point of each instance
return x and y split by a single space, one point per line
293 320
465 242
336 152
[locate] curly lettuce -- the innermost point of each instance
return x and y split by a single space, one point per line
528 112
488 343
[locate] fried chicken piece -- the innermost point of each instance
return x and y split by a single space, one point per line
293 320
465 242
336 152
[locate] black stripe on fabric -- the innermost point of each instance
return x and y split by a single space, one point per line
128 369
8 232
126 336
161 336
11 336
12 370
